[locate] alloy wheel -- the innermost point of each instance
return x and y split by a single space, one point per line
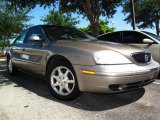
10 66
62 80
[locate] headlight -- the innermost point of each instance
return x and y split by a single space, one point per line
110 57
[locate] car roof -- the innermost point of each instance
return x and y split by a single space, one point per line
48 25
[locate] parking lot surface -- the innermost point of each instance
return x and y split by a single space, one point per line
27 98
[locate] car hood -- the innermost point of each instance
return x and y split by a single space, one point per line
96 45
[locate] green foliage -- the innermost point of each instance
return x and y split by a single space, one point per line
4 44
87 30
12 20
103 28
147 13
33 3
91 9
105 7
98 7
57 18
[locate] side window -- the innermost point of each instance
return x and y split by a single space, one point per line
20 39
34 31
112 37
132 37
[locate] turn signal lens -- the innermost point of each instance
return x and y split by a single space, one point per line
88 72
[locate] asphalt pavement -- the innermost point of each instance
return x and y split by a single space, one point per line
27 98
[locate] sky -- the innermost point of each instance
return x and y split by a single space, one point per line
117 21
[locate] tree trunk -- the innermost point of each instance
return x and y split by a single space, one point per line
95 28
133 15
91 9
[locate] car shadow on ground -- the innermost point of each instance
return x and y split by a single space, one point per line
87 101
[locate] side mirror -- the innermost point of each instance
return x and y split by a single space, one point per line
148 41
36 38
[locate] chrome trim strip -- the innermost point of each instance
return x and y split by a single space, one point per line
16 59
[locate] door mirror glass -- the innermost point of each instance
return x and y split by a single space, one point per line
148 41
36 38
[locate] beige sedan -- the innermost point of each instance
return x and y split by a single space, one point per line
72 62
142 39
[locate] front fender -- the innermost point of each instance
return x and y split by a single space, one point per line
74 55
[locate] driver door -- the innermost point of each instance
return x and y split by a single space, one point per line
34 52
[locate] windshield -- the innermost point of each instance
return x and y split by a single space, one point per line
153 35
65 33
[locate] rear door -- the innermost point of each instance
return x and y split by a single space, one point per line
136 38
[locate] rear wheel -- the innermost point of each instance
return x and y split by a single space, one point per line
11 68
62 81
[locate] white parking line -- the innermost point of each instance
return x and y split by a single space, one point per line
3 70
2 60
156 82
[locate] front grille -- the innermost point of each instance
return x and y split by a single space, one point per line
142 57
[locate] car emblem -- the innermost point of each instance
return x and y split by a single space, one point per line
146 58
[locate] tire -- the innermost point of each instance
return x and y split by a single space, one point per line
12 71
62 81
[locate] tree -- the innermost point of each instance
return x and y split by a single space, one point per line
57 18
147 13
12 22
91 9
102 25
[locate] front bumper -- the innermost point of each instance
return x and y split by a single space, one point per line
115 78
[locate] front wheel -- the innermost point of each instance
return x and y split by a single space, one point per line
11 69
62 81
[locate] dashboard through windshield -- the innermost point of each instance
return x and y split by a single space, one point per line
65 33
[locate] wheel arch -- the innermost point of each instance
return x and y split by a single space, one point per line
58 58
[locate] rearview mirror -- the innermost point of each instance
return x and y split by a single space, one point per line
148 41
36 38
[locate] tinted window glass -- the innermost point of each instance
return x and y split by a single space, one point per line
153 35
133 37
141 37
20 39
65 33
112 37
